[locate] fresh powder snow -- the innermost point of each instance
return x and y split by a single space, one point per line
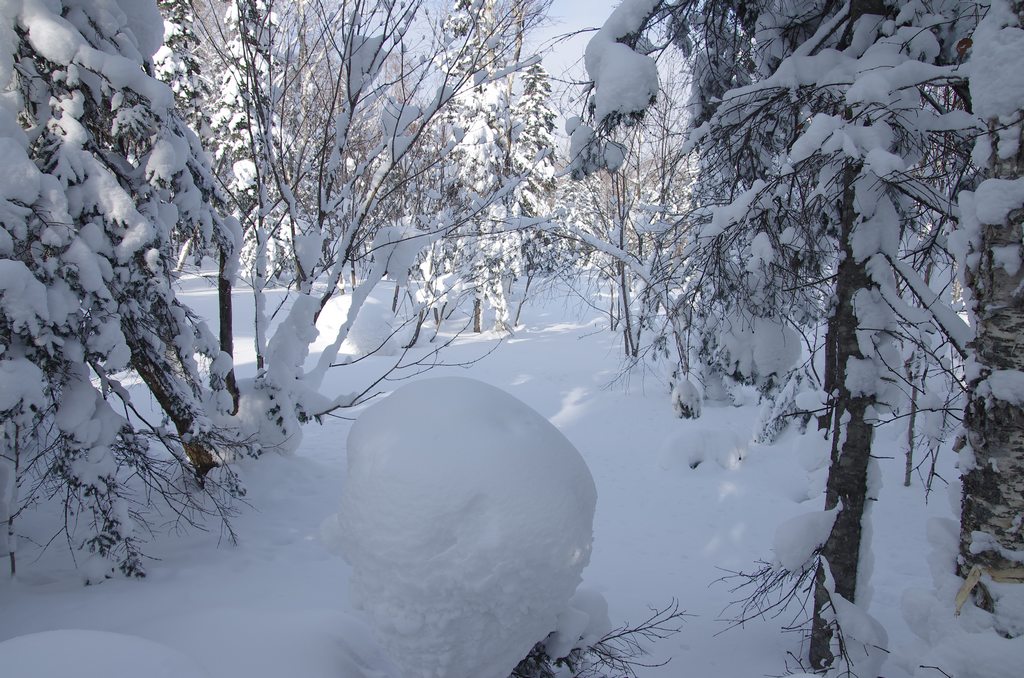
467 526
786 231
279 602
92 654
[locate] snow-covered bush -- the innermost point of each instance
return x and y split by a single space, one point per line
467 519
796 401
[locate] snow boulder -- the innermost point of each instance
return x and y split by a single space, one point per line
467 518
92 654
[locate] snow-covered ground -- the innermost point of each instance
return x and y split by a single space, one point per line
680 504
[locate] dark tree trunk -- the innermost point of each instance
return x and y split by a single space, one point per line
829 378
419 327
162 385
912 378
613 321
522 302
852 435
439 317
478 315
227 340
628 344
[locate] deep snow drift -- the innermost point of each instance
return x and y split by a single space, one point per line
467 518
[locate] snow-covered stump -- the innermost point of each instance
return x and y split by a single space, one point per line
467 518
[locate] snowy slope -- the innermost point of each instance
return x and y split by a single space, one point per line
680 504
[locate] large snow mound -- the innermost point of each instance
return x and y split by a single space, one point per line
92 654
467 518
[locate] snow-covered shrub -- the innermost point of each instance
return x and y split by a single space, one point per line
585 646
686 397
795 402
581 626
753 350
467 519
377 330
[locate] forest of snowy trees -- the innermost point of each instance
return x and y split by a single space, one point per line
814 206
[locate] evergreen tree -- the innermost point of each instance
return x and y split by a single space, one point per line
105 172
534 144
505 146
177 63
240 129
534 161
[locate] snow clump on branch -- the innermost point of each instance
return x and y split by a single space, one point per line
625 81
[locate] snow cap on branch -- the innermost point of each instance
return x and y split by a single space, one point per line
625 81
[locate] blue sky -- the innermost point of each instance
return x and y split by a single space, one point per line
566 56
567 16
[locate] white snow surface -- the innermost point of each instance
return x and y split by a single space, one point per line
277 603
467 526
92 654
143 19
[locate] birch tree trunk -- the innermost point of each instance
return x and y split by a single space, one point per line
992 509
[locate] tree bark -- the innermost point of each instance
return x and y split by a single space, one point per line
992 509
522 302
198 451
439 317
628 344
908 466
226 327
852 435
12 504
416 332
160 366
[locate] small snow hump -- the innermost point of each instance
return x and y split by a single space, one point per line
467 518
695 445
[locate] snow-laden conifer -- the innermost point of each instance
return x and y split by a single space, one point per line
821 204
102 171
